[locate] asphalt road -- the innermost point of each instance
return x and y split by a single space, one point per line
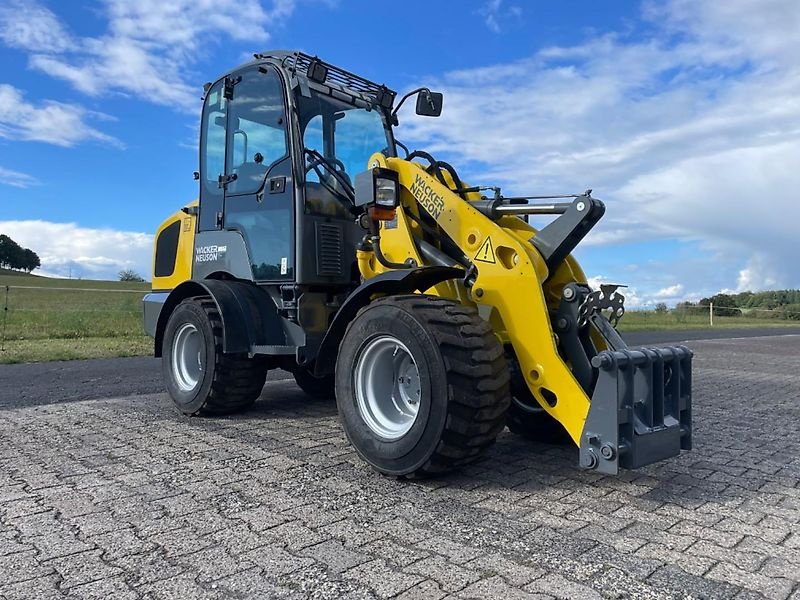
70 381
121 497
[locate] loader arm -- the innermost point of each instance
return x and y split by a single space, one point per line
509 274
621 408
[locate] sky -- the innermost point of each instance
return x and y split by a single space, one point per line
682 116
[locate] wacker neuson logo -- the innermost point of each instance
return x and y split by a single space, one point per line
430 200
209 253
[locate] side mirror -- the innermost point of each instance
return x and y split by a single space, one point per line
429 104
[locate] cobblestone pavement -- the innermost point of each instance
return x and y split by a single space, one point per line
122 498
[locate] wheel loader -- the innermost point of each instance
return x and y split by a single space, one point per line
433 310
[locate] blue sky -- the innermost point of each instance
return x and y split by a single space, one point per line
683 116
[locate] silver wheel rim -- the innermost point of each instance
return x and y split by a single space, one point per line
387 386
187 364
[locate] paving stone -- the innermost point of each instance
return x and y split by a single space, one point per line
672 578
126 498
396 552
148 567
254 583
85 567
772 587
22 566
40 588
449 576
696 565
119 543
458 553
334 555
747 561
495 587
115 587
181 541
426 590
58 543
180 587
11 545
384 581
276 560
560 587
515 573
211 564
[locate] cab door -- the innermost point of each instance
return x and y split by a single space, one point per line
258 189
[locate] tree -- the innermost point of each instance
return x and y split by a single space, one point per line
130 275
724 305
661 308
30 260
14 256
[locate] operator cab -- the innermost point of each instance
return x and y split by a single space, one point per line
282 139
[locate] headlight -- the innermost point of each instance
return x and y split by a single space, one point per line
378 190
386 192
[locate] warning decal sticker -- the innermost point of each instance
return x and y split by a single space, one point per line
486 252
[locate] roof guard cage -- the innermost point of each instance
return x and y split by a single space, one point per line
301 63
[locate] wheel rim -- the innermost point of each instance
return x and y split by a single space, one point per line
187 364
387 386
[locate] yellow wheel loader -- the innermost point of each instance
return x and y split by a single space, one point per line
431 308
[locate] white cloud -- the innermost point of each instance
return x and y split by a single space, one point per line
672 291
691 132
148 48
49 121
16 179
759 274
494 14
69 249
28 26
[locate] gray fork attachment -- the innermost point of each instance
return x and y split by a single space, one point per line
641 409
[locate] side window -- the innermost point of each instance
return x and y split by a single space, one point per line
212 156
313 140
257 130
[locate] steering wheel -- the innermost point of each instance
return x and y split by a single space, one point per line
317 161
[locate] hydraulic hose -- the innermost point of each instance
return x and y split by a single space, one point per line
376 246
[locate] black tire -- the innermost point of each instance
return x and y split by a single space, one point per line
535 424
525 416
463 384
316 387
227 383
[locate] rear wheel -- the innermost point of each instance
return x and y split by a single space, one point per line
526 417
201 379
317 387
421 385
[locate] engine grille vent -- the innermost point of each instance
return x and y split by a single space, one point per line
329 249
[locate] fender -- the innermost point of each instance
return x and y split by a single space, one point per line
249 316
403 281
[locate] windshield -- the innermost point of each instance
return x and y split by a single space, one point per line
345 135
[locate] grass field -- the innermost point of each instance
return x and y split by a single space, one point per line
64 319
648 320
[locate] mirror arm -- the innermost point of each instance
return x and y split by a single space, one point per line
407 96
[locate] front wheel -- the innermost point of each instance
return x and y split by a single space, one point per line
200 378
421 385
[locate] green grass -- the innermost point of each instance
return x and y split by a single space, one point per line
61 319
652 321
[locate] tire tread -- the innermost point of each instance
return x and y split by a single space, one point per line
477 375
